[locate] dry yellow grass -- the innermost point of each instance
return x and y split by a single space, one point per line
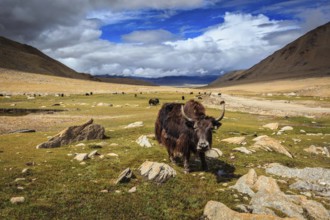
16 82
307 87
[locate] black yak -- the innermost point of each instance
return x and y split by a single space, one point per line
185 129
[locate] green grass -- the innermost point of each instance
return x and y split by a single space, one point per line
58 187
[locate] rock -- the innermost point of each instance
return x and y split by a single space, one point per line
308 174
26 170
17 200
143 141
305 186
234 140
19 179
269 144
101 104
125 176
243 208
93 153
132 190
291 205
87 131
218 211
158 172
112 155
80 145
286 128
271 126
242 150
245 183
213 153
317 150
81 157
22 131
135 124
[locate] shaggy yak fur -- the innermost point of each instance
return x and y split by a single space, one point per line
185 129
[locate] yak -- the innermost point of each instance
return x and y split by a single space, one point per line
154 101
184 129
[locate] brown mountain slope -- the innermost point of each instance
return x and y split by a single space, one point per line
22 57
308 56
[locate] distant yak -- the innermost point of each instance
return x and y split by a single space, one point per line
184 129
153 101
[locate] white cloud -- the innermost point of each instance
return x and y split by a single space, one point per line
239 42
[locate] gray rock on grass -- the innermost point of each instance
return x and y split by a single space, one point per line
158 172
125 176
87 131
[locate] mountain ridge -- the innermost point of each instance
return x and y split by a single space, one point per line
307 56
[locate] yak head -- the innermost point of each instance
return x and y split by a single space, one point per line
203 127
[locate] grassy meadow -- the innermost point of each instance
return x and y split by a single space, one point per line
58 187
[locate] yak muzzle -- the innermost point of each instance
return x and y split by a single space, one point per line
203 146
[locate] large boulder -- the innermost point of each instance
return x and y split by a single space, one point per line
84 132
219 211
266 197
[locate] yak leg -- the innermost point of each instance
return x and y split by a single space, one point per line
171 156
186 162
203 160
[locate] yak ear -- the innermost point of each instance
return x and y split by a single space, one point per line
216 124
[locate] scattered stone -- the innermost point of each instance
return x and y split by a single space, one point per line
22 131
17 200
269 144
101 104
19 179
104 191
114 145
83 163
242 150
234 140
317 150
302 131
286 128
125 176
20 188
112 155
213 153
143 141
132 190
81 157
26 170
218 211
158 172
87 131
93 154
135 124
271 126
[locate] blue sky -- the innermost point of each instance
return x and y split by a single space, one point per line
157 38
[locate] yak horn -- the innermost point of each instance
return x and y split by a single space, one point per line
184 114
223 111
